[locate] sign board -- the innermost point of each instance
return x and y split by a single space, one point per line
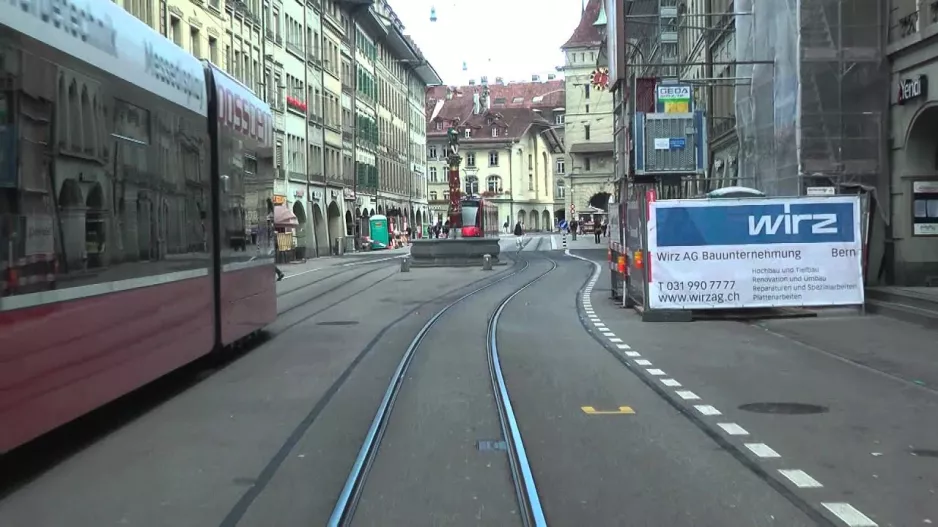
821 191
670 143
673 98
911 89
747 253
40 235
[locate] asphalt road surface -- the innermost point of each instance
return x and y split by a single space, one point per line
827 421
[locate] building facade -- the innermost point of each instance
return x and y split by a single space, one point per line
328 69
589 165
511 145
913 155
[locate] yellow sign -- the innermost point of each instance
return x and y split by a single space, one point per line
279 200
676 106
623 410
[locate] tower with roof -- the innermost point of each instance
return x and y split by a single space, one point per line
589 168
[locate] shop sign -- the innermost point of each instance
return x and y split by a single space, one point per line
914 88
279 200
298 194
348 194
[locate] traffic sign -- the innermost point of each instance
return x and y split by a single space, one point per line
572 208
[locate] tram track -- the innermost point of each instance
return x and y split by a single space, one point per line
522 477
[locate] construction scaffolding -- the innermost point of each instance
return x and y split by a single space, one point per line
815 115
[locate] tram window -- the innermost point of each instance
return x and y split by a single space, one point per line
112 185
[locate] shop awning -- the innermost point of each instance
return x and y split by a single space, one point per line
284 217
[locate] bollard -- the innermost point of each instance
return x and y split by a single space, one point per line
405 264
487 262
565 241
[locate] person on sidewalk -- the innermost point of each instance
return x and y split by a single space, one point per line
574 226
519 232
597 231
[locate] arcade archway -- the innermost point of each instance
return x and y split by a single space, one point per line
600 200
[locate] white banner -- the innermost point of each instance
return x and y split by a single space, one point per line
744 253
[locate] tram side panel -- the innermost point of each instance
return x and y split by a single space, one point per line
244 191
106 280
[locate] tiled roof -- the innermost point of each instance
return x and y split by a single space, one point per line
542 95
586 34
512 124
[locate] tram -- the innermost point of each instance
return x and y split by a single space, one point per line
136 213
479 217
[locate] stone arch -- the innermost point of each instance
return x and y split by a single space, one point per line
349 223
600 200
545 221
560 215
921 150
534 221
320 230
523 218
334 221
70 195
304 231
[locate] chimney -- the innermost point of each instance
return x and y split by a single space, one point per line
486 99
535 78
476 103
551 76
472 82
500 81
485 80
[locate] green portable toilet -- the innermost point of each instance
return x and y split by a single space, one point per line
380 238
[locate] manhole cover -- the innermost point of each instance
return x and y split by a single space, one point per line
784 408
924 452
338 323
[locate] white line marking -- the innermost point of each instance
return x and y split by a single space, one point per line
801 479
849 515
599 324
706 409
670 382
643 362
733 429
632 354
762 450
687 395
623 346
656 372
616 339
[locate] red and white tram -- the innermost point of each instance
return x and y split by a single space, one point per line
479 217
135 211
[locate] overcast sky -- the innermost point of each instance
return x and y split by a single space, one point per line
512 39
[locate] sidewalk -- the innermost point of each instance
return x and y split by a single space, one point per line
583 242
840 410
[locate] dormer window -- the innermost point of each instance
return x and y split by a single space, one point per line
494 131
439 125
468 133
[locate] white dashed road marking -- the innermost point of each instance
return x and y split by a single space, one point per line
687 395
849 515
801 479
706 409
762 450
733 429
845 512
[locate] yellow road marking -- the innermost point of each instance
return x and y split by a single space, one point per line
623 410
